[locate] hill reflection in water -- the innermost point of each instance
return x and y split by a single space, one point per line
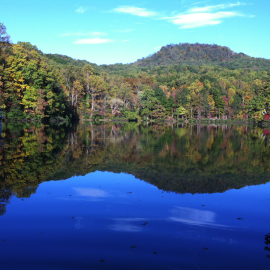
181 159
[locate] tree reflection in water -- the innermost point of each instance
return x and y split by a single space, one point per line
177 158
267 243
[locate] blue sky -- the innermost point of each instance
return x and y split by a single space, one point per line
108 32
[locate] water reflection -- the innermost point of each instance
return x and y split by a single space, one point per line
91 192
267 243
195 217
126 225
79 223
182 159
192 216
175 215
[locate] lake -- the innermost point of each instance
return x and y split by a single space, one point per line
134 196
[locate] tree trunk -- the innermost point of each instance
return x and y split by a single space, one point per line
93 98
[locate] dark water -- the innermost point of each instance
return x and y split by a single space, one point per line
134 197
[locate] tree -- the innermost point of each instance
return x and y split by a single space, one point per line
87 72
181 111
126 94
4 51
196 97
30 83
211 104
75 93
97 90
148 101
158 111
68 74
4 37
115 104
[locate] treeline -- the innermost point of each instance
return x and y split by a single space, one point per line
172 92
177 91
37 85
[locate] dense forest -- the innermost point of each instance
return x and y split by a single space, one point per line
180 82
178 158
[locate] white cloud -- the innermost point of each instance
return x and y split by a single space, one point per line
135 11
157 48
217 7
84 34
194 20
93 41
80 10
204 16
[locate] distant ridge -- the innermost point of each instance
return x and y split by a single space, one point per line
202 54
65 60
174 54
183 54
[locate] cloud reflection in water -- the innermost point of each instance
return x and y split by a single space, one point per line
194 217
125 225
91 192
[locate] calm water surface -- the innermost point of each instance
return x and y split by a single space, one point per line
134 197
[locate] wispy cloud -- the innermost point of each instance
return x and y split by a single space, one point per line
142 12
93 41
217 7
83 34
195 20
80 10
204 16
125 31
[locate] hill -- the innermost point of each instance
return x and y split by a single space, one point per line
66 60
185 54
179 81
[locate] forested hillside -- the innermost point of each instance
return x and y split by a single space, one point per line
29 86
179 82
66 60
203 54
